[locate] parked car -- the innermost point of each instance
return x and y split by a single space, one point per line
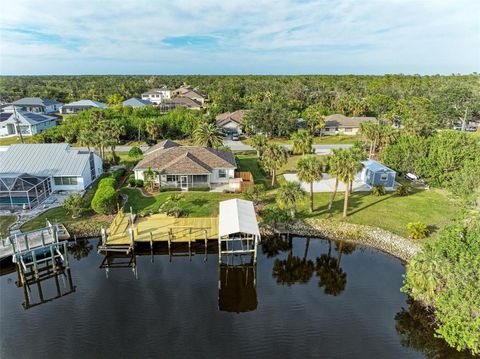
235 137
411 177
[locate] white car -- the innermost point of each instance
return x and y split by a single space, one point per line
411 177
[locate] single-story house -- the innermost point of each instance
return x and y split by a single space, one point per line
187 167
194 95
29 173
231 122
136 102
27 123
342 125
37 105
157 95
374 173
77 106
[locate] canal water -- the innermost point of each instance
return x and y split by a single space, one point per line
306 298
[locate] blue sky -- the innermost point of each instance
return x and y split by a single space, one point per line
240 37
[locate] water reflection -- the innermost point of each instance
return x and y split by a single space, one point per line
237 288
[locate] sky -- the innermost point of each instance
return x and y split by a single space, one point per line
239 37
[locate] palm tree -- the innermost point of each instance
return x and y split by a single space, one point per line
152 128
207 135
302 142
310 169
288 195
347 174
273 158
336 164
259 142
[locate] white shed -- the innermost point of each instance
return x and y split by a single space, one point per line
237 228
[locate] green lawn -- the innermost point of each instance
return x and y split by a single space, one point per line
5 223
250 163
14 140
195 204
389 212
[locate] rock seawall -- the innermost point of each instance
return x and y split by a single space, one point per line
378 238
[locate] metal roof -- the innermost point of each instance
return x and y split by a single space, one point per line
50 159
25 117
136 102
35 101
237 216
85 103
375 166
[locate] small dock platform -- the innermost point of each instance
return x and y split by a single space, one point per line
127 229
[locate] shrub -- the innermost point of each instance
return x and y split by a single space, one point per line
105 200
170 189
418 230
135 152
403 190
73 204
138 183
117 174
378 190
107 182
201 189
131 181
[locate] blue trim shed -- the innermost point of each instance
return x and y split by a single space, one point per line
374 173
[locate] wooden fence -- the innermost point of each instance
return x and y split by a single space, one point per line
247 180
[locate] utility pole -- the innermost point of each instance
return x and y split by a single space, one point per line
17 123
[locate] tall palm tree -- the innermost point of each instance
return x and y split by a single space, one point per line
259 142
310 169
351 167
302 142
288 195
207 135
152 127
273 158
336 164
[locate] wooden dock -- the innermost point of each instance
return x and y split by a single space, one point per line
122 234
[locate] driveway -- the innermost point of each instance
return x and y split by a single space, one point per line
327 184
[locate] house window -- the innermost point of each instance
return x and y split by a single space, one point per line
222 173
65 181
348 129
171 178
327 129
383 177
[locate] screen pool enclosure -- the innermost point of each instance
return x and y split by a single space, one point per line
23 190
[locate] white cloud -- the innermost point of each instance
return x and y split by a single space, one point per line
283 36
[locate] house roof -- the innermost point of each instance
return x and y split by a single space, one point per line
176 159
136 102
161 145
184 101
192 95
237 216
156 90
85 103
35 101
236 116
339 120
51 159
375 166
24 117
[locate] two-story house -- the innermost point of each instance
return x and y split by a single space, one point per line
157 95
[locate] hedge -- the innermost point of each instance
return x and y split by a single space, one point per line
105 200
107 182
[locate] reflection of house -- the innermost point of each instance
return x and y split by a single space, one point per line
157 95
28 123
187 166
231 122
237 292
77 106
37 104
339 124
374 173
136 102
30 172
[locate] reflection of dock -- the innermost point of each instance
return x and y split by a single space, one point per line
237 288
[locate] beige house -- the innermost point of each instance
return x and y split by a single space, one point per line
187 167
342 125
231 122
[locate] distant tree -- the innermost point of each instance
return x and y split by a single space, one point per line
315 117
115 100
259 143
152 127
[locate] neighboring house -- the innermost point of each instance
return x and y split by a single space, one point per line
182 90
157 95
184 102
339 124
194 95
29 173
77 106
374 174
136 102
13 121
187 167
37 105
231 122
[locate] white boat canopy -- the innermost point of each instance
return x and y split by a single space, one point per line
237 216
